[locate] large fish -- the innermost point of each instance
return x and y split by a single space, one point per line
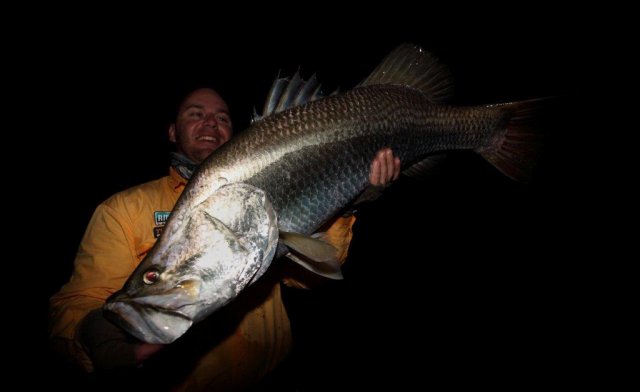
267 190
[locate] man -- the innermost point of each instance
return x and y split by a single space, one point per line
242 343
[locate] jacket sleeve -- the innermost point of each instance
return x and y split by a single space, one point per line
339 233
105 259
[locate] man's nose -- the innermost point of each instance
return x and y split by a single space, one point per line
211 121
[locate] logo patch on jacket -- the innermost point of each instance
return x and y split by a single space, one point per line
160 219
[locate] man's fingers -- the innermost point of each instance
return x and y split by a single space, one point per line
384 168
382 157
389 164
374 172
396 168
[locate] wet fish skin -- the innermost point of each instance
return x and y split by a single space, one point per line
224 244
292 171
322 150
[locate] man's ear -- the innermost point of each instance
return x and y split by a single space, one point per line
172 133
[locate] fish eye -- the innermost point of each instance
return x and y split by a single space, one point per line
150 276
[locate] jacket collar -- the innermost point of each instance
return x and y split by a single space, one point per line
176 181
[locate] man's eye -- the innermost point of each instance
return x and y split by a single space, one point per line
223 119
196 114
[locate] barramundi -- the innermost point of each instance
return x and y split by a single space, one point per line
267 191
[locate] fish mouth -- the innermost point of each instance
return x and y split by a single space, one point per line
148 323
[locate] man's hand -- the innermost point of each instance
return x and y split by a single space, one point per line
385 168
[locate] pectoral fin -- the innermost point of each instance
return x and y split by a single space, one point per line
313 254
328 269
311 247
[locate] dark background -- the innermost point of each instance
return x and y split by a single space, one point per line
464 278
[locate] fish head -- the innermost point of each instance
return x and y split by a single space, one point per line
221 245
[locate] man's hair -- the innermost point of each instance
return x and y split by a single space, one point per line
229 91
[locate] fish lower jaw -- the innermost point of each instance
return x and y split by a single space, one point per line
149 324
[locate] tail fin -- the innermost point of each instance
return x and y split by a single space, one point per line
515 151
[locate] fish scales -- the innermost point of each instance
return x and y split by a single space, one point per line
313 159
281 179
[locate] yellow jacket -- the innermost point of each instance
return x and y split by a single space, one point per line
121 232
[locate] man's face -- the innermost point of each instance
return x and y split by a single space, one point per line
203 124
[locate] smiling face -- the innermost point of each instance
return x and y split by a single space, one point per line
203 124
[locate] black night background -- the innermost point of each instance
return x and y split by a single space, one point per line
459 279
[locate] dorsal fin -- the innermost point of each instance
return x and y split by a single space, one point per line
290 94
275 92
412 66
286 93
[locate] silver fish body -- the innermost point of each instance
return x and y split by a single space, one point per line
312 160
292 171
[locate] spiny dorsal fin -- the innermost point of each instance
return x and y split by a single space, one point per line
290 94
286 93
275 92
412 66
